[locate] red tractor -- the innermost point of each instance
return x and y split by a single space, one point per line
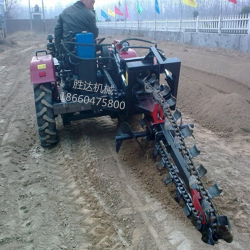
84 80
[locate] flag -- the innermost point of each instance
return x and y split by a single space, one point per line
233 1
126 7
157 9
104 14
139 8
111 13
191 3
118 12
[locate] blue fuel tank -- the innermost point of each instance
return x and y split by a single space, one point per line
82 50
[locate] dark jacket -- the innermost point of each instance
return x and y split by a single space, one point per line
75 18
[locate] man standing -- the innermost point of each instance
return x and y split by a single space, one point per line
76 18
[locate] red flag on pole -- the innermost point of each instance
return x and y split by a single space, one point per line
118 12
233 1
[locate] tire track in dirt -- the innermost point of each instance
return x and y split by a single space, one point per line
60 199
126 198
56 210
24 181
16 140
50 211
143 221
11 76
17 92
81 215
99 230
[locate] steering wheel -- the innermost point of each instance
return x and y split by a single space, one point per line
100 40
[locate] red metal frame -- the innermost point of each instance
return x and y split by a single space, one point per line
157 114
196 202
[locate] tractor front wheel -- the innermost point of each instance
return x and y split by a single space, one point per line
45 114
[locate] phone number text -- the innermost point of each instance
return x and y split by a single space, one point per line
104 102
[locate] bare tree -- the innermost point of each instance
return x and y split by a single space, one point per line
12 8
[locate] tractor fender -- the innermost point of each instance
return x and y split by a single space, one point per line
130 53
42 69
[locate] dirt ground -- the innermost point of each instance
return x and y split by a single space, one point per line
82 195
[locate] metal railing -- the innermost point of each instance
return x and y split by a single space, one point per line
234 24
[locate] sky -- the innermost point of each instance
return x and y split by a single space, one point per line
49 3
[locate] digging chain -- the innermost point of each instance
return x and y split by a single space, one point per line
191 168
178 182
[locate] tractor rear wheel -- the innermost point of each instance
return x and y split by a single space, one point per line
45 114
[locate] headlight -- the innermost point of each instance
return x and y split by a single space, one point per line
125 45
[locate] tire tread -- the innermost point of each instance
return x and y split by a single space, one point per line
45 114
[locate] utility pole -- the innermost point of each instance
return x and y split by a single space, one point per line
119 4
31 28
43 17
180 4
155 19
125 12
138 17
